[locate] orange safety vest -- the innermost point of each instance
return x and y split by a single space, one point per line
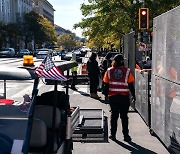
118 80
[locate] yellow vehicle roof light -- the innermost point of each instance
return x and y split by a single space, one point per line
28 60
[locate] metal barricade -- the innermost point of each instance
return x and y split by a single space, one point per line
165 106
129 51
142 89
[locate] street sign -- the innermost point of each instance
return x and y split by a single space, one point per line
142 46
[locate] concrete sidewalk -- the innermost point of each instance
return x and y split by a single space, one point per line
142 141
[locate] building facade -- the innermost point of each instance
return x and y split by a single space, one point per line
19 8
44 8
5 11
12 11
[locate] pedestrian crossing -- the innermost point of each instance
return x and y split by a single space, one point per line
15 90
11 62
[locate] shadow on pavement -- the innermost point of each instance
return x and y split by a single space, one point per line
135 148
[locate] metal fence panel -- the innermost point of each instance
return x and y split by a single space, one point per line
129 51
165 100
165 108
166 46
141 86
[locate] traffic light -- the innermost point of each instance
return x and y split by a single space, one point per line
143 18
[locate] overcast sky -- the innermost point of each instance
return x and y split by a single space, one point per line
67 14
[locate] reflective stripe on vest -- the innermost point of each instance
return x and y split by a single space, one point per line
120 90
118 86
119 83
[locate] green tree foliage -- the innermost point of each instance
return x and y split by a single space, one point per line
67 41
8 34
106 21
40 28
2 34
12 32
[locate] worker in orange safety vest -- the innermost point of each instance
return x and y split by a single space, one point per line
119 83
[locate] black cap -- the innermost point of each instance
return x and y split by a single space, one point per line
118 57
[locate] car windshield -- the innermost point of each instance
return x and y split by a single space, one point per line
24 51
44 49
42 52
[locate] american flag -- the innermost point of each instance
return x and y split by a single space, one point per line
48 70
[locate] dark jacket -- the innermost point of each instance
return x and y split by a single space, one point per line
92 67
105 65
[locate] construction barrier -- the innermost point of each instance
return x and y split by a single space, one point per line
84 69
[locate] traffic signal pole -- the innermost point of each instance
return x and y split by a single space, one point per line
143 25
143 18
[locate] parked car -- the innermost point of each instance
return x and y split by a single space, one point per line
68 57
7 52
35 52
42 54
43 49
23 52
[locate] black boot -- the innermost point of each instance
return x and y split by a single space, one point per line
127 138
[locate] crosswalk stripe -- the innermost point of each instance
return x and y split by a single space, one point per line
27 90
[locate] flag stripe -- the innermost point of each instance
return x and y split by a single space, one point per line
48 70
56 72
60 73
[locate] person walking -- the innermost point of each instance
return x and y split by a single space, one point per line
74 72
93 73
118 84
